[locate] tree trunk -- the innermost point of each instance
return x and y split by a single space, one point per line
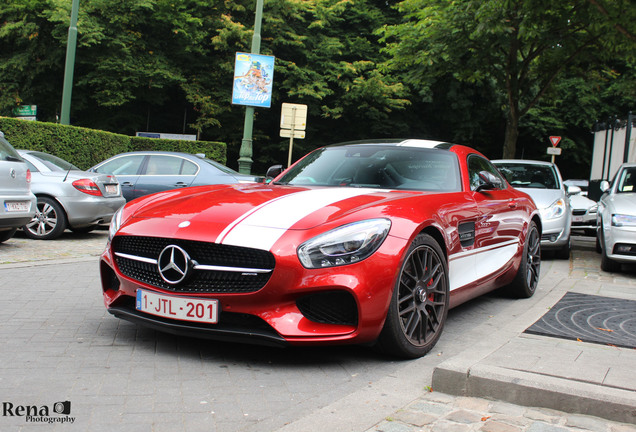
512 133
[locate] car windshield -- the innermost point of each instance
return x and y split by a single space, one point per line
627 181
522 175
7 152
377 166
219 166
53 163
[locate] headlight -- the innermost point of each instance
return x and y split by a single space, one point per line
344 245
557 209
115 223
620 220
593 210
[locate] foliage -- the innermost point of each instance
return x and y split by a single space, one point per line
85 147
480 72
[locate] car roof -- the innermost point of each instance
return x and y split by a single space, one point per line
522 161
395 142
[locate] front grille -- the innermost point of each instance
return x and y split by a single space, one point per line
334 307
579 212
203 253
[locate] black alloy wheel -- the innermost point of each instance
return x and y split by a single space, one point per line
419 303
525 282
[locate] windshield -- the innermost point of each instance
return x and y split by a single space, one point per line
53 163
377 166
522 175
627 180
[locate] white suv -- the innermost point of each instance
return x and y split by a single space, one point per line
17 202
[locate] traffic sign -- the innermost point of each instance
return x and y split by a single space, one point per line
555 140
293 116
287 133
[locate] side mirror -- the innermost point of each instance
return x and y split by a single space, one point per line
273 171
573 190
604 186
490 181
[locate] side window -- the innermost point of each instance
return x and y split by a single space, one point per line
163 165
125 165
476 164
188 168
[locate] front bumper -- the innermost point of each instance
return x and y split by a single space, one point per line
555 233
296 306
620 243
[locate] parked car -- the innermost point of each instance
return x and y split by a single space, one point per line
584 210
616 234
584 185
17 201
367 242
68 197
543 182
143 173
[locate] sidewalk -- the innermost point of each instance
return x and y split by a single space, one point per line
516 381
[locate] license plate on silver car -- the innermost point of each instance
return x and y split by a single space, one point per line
178 308
17 206
111 189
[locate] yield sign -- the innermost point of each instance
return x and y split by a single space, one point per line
555 140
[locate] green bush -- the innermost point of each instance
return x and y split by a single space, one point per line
86 147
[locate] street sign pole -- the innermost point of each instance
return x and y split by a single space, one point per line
291 137
67 89
245 153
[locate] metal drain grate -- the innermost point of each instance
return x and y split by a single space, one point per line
588 318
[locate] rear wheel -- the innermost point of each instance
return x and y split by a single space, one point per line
6 235
525 282
419 303
49 221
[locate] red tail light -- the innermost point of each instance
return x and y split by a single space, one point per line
28 175
87 186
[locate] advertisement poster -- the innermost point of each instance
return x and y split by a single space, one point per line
253 80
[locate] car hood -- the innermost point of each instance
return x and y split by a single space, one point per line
543 198
623 203
247 215
581 202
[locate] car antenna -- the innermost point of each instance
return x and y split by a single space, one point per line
67 173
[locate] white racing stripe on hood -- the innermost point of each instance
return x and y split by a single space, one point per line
262 226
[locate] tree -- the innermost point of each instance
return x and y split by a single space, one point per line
519 48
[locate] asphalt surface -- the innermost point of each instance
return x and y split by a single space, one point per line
484 374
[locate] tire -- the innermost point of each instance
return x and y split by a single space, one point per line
83 230
599 249
527 278
608 264
49 221
419 302
564 252
6 235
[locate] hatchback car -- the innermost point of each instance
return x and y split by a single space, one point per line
367 242
17 202
143 173
68 197
616 233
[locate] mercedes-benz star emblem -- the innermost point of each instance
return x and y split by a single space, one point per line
173 264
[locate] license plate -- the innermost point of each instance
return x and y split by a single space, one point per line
577 218
17 206
178 308
111 189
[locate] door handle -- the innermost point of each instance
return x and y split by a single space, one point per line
126 183
181 184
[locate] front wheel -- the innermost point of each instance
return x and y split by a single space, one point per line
419 303
525 282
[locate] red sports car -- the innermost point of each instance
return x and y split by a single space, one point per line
366 242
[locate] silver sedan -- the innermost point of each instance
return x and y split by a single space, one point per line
68 197
616 234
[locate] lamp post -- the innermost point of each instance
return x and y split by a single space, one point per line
70 65
245 153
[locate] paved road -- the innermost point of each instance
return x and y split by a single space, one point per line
59 344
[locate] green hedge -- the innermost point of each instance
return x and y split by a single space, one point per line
86 147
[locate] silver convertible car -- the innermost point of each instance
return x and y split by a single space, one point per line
68 197
616 234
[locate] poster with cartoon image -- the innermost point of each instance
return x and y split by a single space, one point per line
253 80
